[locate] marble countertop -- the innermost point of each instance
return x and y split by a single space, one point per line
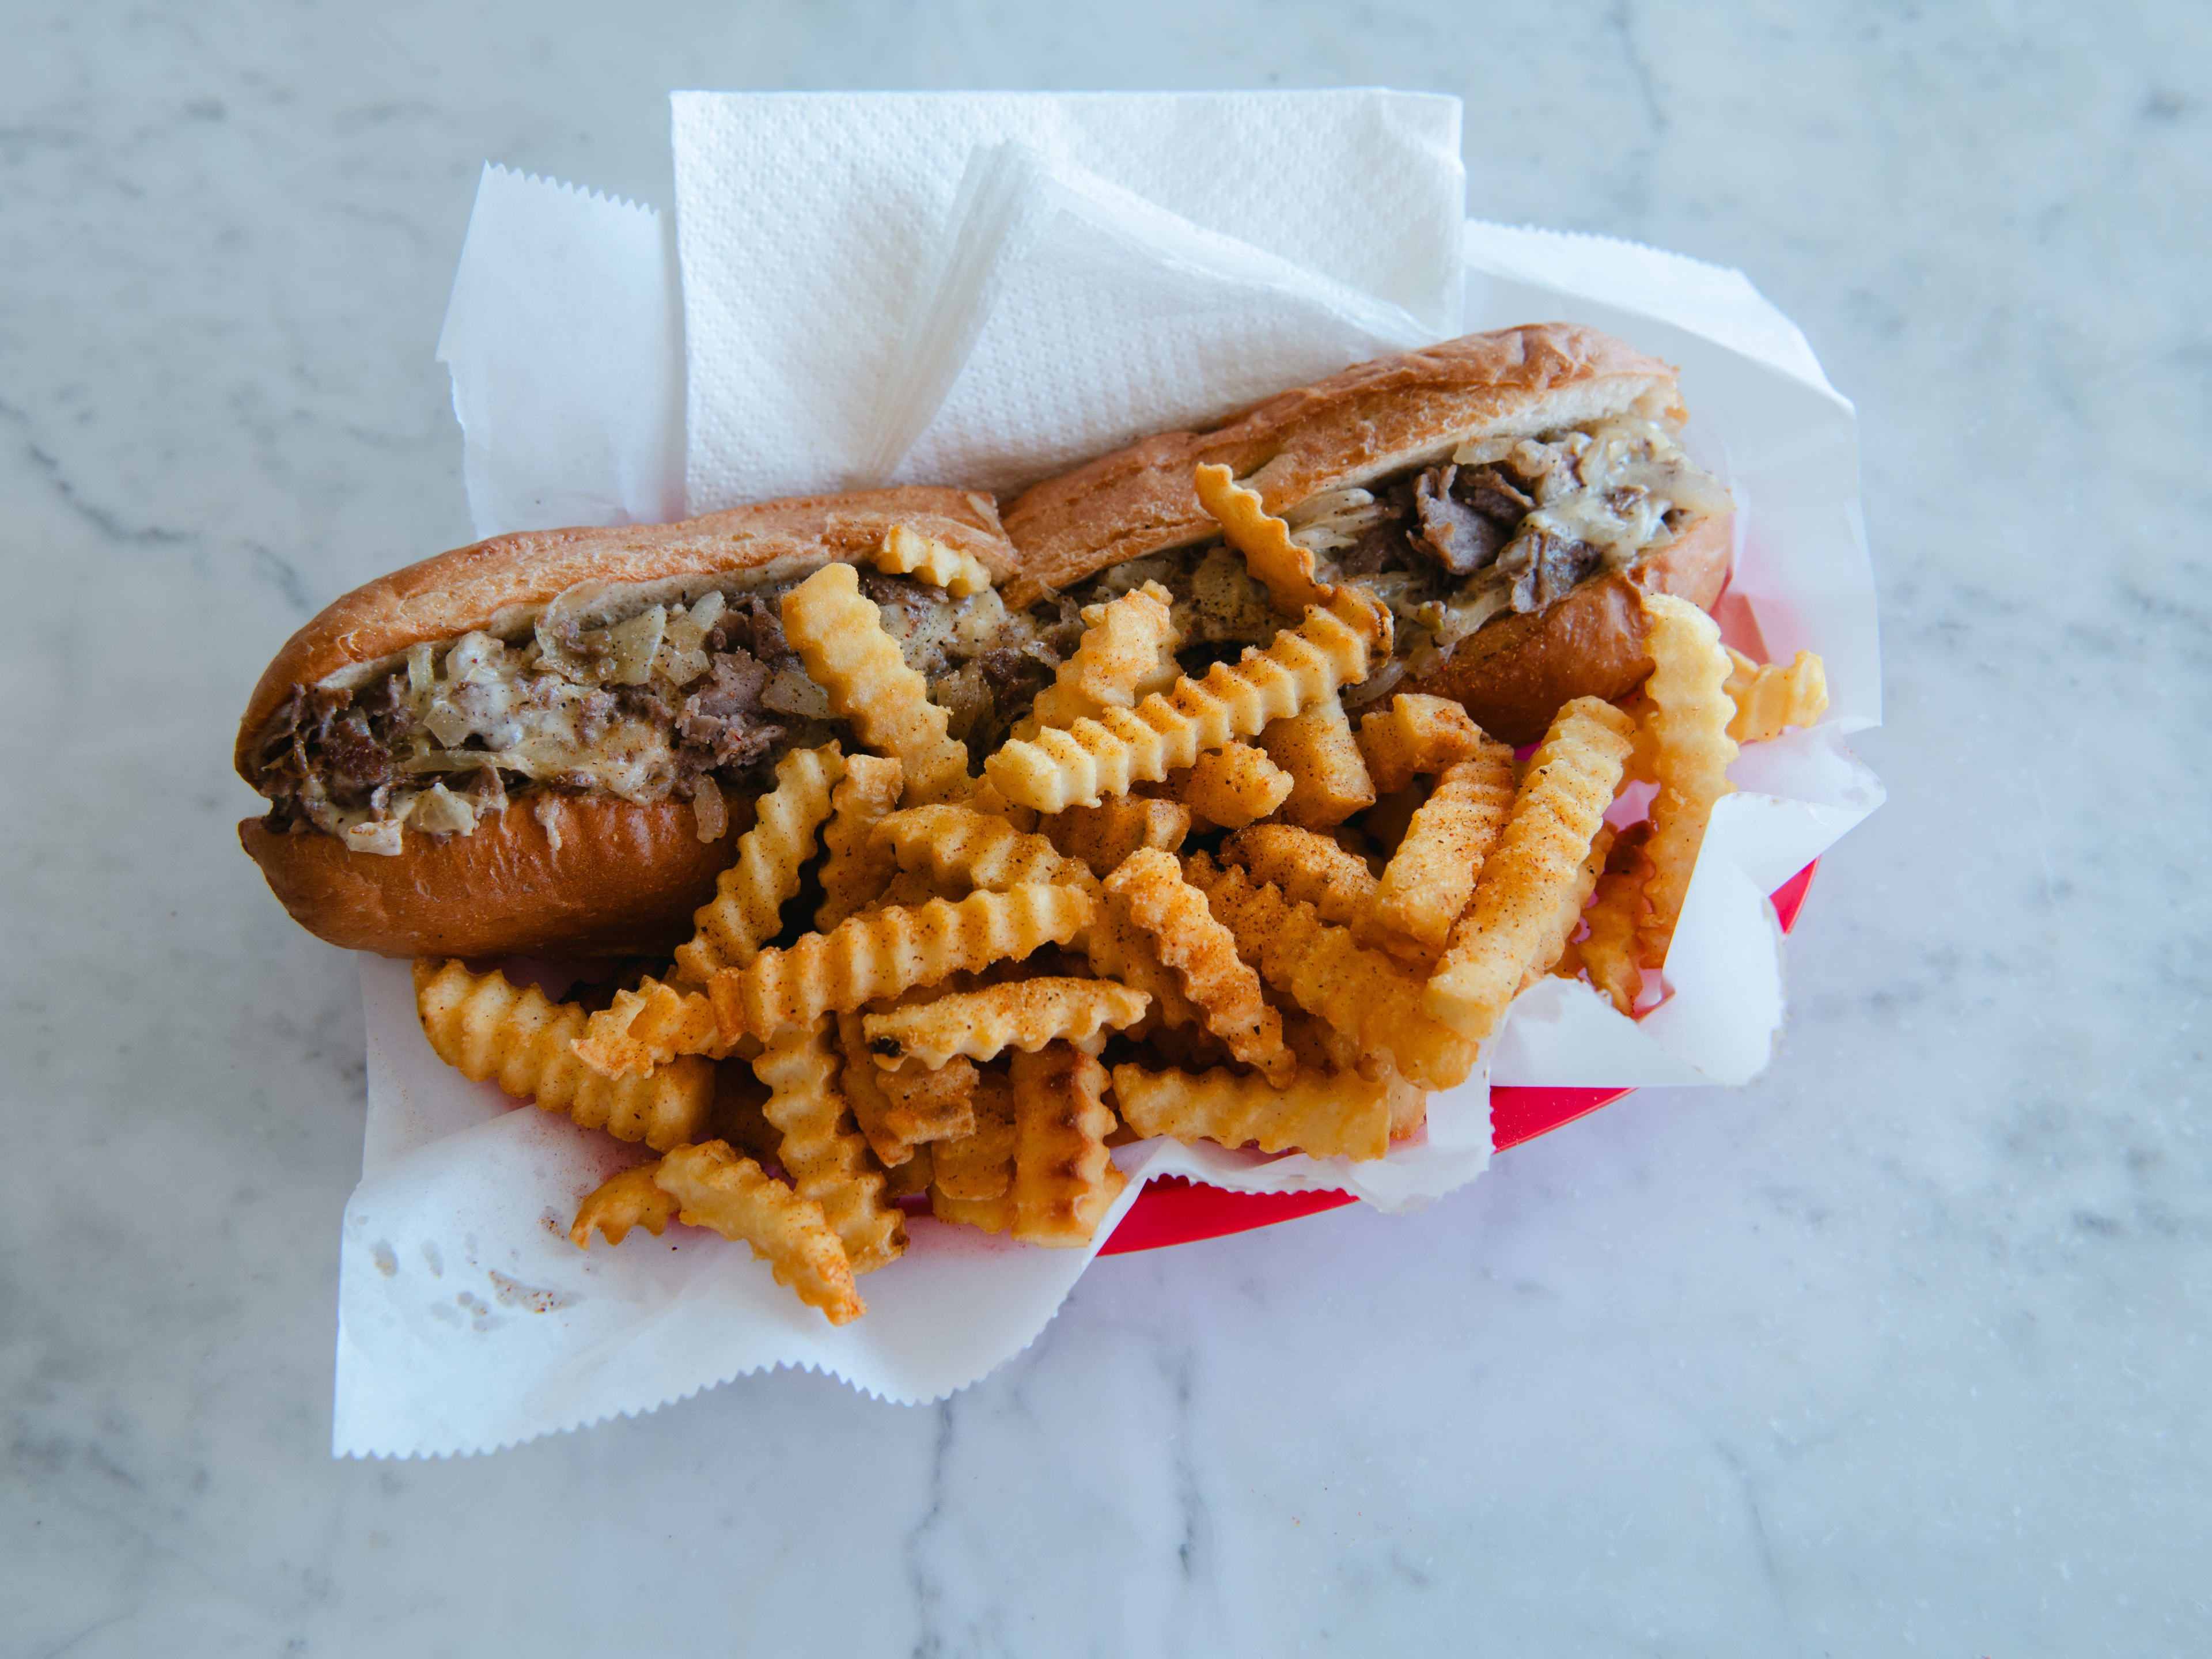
1899 1350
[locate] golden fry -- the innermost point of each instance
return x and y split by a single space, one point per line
1769 698
854 870
911 1177
1119 950
995 1214
1024 1014
980 1165
907 552
1203 955
1329 778
1276 561
1127 645
719 1189
1562 800
956 845
483 1025
647 1028
1417 734
880 953
1103 836
622 1202
1063 1177
1687 719
1363 994
822 1151
1094 758
1232 786
1314 870
1553 951
1323 1114
1432 874
747 907
839 635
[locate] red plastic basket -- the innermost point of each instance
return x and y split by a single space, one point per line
1178 1211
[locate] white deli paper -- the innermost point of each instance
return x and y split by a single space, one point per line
468 1321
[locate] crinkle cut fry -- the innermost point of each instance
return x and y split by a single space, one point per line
1094 758
1311 869
490 1032
907 552
1127 644
1232 786
1063 1177
1321 1114
1432 874
1276 561
1769 699
719 1189
979 1167
1608 954
839 635
648 1027
881 953
1554 953
1203 955
824 1153
1328 776
1103 836
905 1108
746 911
631 1198
1362 993
955 845
1024 1014
1416 733
1563 795
1687 711
1119 950
854 869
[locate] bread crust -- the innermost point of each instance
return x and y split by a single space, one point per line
1380 418
500 584
623 882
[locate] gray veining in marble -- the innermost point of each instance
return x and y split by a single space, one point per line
1901 1350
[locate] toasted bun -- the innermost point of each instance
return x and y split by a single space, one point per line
501 584
1383 417
625 878
624 882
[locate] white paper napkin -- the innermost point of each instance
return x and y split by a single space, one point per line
810 226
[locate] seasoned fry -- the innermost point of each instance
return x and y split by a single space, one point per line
980 1165
622 1202
1276 561
911 1177
1117 948
1432 874
929 1103
1314 870
747 907
864 1095
824 1153
1554 950
1363 994
490 1032
1203 954
1417 734
1232 786
910 890
1063 1177
1562 800
995 1214
647 1028
1409 1104
1094 758
1770 698
880 953
839 635
737 1117
907 552
1126 651
1608 954
1328 778
855 869
1341 1114
956 845
1688 719
1103 836
1024 1014
719 1189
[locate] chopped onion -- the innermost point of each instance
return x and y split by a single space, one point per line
381 838
706 807
473 657
634 644
547 812
789 692
442 812
422 669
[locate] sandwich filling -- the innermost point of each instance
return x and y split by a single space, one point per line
1507 526
645 703
692 700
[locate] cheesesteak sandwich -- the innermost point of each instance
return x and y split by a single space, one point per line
549 743
1509 495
